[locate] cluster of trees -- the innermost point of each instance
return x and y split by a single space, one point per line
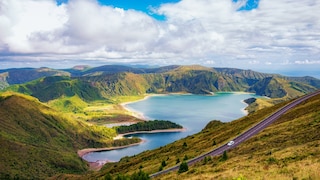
135 176
125 141
148 126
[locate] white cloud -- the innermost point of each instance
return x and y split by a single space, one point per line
306 61
277 32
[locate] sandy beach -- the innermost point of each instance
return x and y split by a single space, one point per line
138 114
150 132
96 166
244 110
83 152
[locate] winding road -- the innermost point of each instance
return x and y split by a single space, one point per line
244 136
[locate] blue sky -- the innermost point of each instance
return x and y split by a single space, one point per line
147 5
139 5
264 35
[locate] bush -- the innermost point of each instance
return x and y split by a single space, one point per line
183 167
163 163
140 176
224 156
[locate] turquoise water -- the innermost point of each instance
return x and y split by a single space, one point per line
193 112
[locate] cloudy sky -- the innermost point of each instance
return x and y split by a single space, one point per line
251 34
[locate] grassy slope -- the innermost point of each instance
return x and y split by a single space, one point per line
38 142
276 87
23 75
285 150
50 88
288 149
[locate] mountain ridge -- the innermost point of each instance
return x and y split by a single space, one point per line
108 81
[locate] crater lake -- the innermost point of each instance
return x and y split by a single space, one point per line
191 111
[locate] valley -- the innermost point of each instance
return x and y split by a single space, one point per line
47 112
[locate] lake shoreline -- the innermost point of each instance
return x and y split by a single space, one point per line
83 152
140 115
97 165
151 132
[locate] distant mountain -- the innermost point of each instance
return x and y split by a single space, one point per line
77 70
277 87
306 80
124 84
53 87
37 142
115 80
23 75
243 76
112 69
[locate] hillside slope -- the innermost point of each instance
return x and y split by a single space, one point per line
53 87
23 75
280 88
37 142
108 81
288 149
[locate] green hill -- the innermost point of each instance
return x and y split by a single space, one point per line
23 75
38 142
277 87
287 149
53 87
109 81
199 80
119 84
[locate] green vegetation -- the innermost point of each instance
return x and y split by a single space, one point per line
24 75
148 126
107 82
277 87
39 142
53 87
183 167
135 176
224 156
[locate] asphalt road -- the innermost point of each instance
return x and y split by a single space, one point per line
244 136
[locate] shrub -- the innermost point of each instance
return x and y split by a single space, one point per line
183 167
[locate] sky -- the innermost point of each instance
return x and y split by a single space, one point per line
263 35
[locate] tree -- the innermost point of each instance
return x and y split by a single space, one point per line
140 176
224 156
183 167
205 160
161 168
177 161
185 157
108 177
185 145
214 143
122 177
163 164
